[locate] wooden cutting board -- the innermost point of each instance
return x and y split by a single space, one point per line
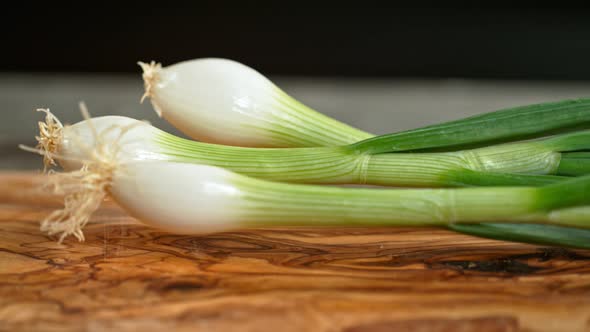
129 277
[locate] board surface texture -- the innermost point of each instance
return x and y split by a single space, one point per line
129 277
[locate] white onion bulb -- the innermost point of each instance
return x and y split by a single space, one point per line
223 101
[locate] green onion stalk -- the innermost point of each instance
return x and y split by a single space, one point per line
523 163
193 198
225 102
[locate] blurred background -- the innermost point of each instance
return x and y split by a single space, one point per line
380 69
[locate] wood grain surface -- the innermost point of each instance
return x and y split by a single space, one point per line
128 277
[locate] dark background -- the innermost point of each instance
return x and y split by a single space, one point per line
297 39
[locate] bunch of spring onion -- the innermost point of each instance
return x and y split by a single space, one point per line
118 154
219 100
188 197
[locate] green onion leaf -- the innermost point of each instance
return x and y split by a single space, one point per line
529 233
511 124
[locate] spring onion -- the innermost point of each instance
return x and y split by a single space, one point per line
139 141
191 198
222 101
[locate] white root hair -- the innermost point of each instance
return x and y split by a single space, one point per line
85 189
151 75
50 136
